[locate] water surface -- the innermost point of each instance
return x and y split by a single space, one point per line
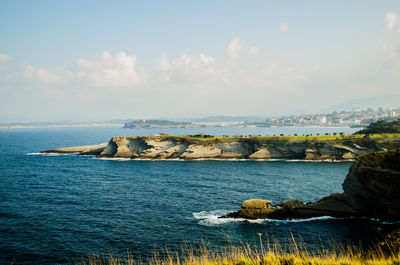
59 209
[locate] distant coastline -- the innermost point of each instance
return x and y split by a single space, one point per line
22 126
121 125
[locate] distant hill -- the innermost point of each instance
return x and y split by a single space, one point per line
226 119
382 126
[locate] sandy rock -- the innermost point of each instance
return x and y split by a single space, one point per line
199 151
262 153
256 204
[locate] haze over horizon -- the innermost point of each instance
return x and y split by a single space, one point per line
99 60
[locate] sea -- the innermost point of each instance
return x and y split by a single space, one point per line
60 209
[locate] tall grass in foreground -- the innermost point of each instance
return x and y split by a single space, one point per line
384 253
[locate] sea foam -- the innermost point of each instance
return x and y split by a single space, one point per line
211 218
51 154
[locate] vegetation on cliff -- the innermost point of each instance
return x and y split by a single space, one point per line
205 139
382 126
272 253
386 160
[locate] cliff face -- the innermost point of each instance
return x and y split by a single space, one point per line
371 189
187 148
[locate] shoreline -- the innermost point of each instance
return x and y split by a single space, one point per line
230 148
122 126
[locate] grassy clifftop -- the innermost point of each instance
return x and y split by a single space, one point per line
274 138
385 159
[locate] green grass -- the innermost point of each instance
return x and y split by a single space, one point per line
284 138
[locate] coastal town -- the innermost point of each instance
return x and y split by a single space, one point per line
354 118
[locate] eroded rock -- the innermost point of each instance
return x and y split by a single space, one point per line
371 189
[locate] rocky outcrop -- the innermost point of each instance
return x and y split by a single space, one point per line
371 189
83 150
168 147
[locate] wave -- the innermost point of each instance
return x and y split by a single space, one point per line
223 159
382 222
137 159
113 158
51 154
211 218
306 161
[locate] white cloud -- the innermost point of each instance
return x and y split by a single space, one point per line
163 63
43 75
392 49
4 58
254 50
316 68
391 20
112 71
236 50
284 27
187 69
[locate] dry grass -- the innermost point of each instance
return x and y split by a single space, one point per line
385 253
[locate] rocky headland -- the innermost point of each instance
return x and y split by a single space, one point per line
173 147
371 189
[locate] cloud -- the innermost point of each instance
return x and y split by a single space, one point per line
236 50
284 27
163 63
4 58
392 49
316 68
391 20
112 71
43 75
187 69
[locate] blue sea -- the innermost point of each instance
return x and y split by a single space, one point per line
62 208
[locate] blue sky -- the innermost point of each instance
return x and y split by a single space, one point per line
78 60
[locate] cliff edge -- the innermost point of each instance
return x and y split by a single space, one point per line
371 189
169 147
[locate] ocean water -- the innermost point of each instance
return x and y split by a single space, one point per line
62 208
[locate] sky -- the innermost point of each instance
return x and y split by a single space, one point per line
101 60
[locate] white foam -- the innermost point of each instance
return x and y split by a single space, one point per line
319 218
220 159
137 159
306 161
51 154
211 218
383 222
113 158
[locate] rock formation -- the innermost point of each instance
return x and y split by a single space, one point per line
167 147
371 189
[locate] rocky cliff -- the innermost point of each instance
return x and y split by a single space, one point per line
371 189
167 147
